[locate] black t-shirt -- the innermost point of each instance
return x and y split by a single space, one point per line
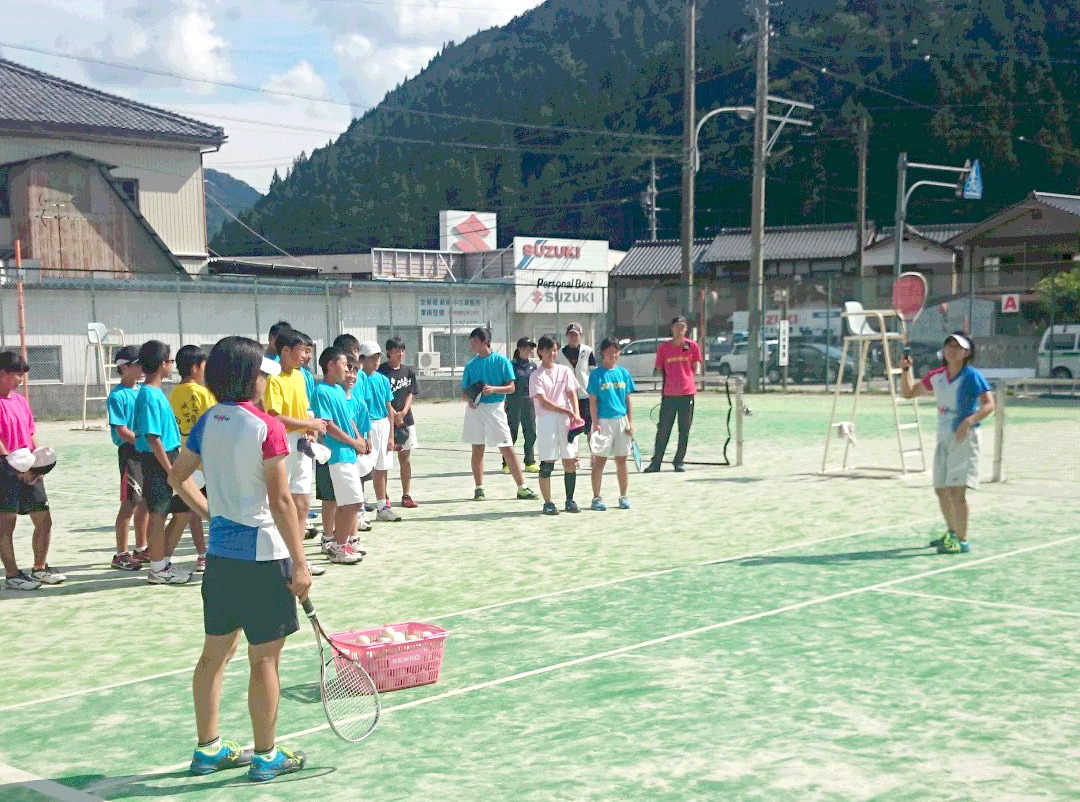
403 383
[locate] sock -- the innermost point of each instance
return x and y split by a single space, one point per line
120 553
521 487
158 565
269 754
211 747
384 502
570 483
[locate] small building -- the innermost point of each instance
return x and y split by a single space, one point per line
66 152
923 250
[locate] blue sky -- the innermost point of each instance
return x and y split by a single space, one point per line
348 53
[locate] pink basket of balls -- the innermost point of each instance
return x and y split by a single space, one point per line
396 656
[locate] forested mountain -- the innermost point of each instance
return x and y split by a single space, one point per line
232 193
599 84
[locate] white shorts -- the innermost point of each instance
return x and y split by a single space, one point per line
957 464
551 442
299 468
348 489
614 429
486 426
379 437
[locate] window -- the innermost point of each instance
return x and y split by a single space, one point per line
411 336
130 188
1062 342
45 364
444 344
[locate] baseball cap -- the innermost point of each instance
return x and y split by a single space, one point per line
270 367
961 340
574 327
369 348
678 319
127 355
525 342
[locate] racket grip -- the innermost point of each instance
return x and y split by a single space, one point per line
907 350
309 608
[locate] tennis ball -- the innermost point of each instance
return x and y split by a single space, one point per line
425 634
389 631
363 640
399 637
385 639
412 636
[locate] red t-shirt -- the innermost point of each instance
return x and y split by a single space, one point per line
16 422
677 362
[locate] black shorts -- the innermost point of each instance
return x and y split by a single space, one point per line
159 497
324 487
19 498
248 595
131 474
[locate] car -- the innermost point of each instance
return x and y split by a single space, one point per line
808 362
639 356
735 360
1061 344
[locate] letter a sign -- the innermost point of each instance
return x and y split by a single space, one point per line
1010 303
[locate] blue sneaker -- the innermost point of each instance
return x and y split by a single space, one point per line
598 504
228 756
285 761
951 544
624 503
550 508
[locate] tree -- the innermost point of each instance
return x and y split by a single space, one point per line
1061 297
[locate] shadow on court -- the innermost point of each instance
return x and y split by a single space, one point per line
92 583
178 782
738 480
310 693
839 558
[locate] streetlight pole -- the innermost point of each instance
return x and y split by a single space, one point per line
757 202
686 234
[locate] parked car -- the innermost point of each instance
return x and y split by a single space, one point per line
735 360
1063 343
808 362
639 356
716 348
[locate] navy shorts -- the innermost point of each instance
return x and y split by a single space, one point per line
248 595
19 498
159 497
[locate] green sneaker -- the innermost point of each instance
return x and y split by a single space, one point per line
478 494
937 542
951 544
285 761
228 755
527 494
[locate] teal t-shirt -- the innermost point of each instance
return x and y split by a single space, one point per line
309 382
154 416
379 394
330 404
121 409
493 370
358 407
611 388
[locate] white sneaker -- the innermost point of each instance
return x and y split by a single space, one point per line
171 575
47 576
326 541
354 541
343 555
316 570
387 514
21 581
363 525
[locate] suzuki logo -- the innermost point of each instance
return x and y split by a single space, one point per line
472 233
537 297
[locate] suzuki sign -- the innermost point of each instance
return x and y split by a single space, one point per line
562 292
467 232
553 255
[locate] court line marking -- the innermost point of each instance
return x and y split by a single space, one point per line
11 776
979 602
110 785
539 597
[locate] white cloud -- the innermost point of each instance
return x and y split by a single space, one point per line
300 80
369 71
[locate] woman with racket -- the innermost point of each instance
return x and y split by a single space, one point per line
255 563
964 400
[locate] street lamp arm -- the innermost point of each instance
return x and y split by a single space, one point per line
742 111
917 184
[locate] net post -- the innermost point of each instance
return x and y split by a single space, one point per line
738 420
1000 395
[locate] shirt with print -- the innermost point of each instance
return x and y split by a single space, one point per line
523 372
611 386
120 407
189 400
677 363
554 383
378 395
956 399
16 422
154 416
494 370
403 383
330 404
233 441
286 394
361 417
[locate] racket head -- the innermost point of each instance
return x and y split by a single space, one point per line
909 293
635 453
350 698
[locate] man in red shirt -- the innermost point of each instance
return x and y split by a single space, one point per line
677 360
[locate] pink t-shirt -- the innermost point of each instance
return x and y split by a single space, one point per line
16 422
554 382
677 362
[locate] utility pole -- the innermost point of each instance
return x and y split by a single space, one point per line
901 212
686 236
757 212
651 199
862 145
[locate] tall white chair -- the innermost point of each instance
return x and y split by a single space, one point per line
101 342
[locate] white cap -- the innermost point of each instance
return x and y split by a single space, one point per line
961 340
369 348
270 367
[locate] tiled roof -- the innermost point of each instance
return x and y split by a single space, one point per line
833 241
1066 203
33 101
935 232
660 258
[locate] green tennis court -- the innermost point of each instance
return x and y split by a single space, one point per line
755 632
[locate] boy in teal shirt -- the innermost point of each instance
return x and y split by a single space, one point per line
610 386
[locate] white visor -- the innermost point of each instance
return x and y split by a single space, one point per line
270 367
961 340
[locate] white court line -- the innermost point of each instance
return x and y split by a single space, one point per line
957 566
9 775
979 602
290 647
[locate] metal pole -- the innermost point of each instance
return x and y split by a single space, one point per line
1053 315
93 297
901 212
784 317
390 305
860 234
3 281
971 298
652 199
258 328
453 337
689 113
757 204
329 331
179 311
21 301
828 334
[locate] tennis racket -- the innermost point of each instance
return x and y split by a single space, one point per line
635 454
349 696
908 297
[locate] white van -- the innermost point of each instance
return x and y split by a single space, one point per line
1063 342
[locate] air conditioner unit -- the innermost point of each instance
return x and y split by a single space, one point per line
429 360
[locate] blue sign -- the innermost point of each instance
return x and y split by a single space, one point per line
973 185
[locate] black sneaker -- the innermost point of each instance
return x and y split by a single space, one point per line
679 467
571 506
550 508
652 467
